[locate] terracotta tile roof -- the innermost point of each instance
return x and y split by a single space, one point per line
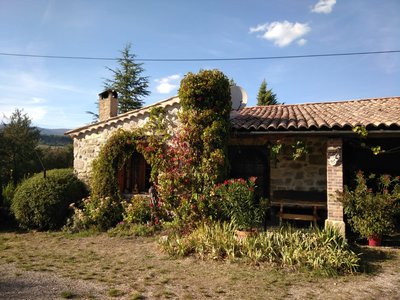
372 113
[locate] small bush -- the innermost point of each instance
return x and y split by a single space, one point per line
93 212
138 210
239 204
42 203
324 251
373 205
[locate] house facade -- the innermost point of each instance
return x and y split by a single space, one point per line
265 141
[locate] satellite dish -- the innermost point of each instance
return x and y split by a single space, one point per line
238 97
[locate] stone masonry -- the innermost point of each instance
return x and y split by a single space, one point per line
307 173
89 141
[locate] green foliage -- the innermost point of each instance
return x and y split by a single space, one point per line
324 251
55 157
18 140
153 148
187 164
372 206
100 213
103 209
42 203
128 82
118 149
207 90
266 96
55 140
239 204
298 149
7 193
138 210
361 131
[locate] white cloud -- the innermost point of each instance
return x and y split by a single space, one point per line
35 113
282 33
301 42
324 6
167 84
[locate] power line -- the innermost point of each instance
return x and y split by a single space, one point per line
203 59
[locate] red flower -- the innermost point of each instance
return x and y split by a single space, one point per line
253 179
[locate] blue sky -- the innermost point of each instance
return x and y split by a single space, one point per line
56 93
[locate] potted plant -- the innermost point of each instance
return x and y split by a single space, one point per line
240 206
372 205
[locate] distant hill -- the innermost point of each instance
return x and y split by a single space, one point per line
54 137
57 131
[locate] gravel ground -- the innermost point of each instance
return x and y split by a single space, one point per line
17 284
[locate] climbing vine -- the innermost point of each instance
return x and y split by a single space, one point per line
118 149
298 149
187 164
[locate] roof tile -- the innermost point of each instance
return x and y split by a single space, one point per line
374 112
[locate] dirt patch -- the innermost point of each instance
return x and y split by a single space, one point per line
19 284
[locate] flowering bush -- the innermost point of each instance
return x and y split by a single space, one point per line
372 206
238 202
137 210
186 165
100 213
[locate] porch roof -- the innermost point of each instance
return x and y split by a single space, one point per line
374 113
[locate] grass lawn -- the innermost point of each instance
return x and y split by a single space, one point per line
135 268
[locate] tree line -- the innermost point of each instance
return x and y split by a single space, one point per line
23 152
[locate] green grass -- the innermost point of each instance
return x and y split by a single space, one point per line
137 268
68 295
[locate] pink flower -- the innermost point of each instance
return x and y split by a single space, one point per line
253 179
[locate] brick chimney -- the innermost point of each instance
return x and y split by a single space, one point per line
108 104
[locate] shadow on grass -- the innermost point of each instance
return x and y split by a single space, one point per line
371 259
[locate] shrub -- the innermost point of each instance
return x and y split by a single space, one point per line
138 210
42 203
373 205
239 204
93 212
324 251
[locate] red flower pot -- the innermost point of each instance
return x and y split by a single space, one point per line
374 240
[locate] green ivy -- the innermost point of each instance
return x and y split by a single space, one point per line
118 149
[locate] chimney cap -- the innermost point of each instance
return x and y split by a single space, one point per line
104 95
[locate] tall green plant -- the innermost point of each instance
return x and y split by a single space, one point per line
239 204
186 164
372 205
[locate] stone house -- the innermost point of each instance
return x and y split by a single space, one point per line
301 189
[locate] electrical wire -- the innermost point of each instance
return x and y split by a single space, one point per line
203 59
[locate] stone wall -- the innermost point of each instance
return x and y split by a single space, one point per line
307 173
87 145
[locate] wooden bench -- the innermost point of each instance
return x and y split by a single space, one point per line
299 199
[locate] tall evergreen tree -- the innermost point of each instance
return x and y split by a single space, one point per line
19 139
266 96
128 82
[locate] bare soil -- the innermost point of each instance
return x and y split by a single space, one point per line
58 266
